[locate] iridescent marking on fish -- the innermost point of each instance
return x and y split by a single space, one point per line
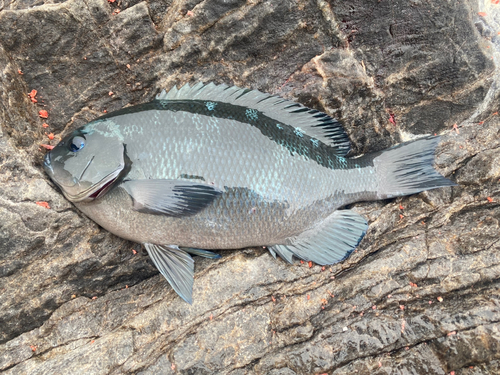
331 164
298 132
279 126
129 130
210 105
315 142
106 128
252 114
342 161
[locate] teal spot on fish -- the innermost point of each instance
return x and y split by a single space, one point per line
298 132
342 161
315 142
252 114
279 126
210 105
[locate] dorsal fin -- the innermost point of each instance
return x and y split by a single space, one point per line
310 121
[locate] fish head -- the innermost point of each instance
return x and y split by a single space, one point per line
87 163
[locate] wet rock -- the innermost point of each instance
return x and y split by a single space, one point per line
420 294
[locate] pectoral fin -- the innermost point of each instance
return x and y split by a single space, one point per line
177 267
331 242
170 197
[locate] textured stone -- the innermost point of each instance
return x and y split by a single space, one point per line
420 294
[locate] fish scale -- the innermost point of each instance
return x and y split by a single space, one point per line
217 167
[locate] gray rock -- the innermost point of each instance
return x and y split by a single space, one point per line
420 294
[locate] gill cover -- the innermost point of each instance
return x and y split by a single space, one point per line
86 163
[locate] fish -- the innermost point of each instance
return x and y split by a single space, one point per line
211 167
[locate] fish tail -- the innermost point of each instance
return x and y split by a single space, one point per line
408 169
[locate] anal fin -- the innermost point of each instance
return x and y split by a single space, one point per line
330 242
176 266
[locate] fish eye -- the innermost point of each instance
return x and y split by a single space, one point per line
77 143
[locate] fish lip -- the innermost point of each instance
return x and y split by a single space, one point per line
86 196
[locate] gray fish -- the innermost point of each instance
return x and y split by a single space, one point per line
217 167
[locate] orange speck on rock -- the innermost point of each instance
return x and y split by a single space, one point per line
43 204
310 264
392 119
45 125
413 284
402 307
51 136
274 299
482 14
440 299
455 126
110 93
451 333
92 341
401 216
481 122
48 147
374 307
190 13
490 199
32 95
95 297
33 348
308 297
173 367
111 1
495 113
128 66
105 111
134 252
19 71
301 262
43 113
401 207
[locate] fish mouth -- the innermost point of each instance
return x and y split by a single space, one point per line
97 190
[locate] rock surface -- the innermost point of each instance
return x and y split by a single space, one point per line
421 293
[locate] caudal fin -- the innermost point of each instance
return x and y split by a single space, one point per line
408 169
